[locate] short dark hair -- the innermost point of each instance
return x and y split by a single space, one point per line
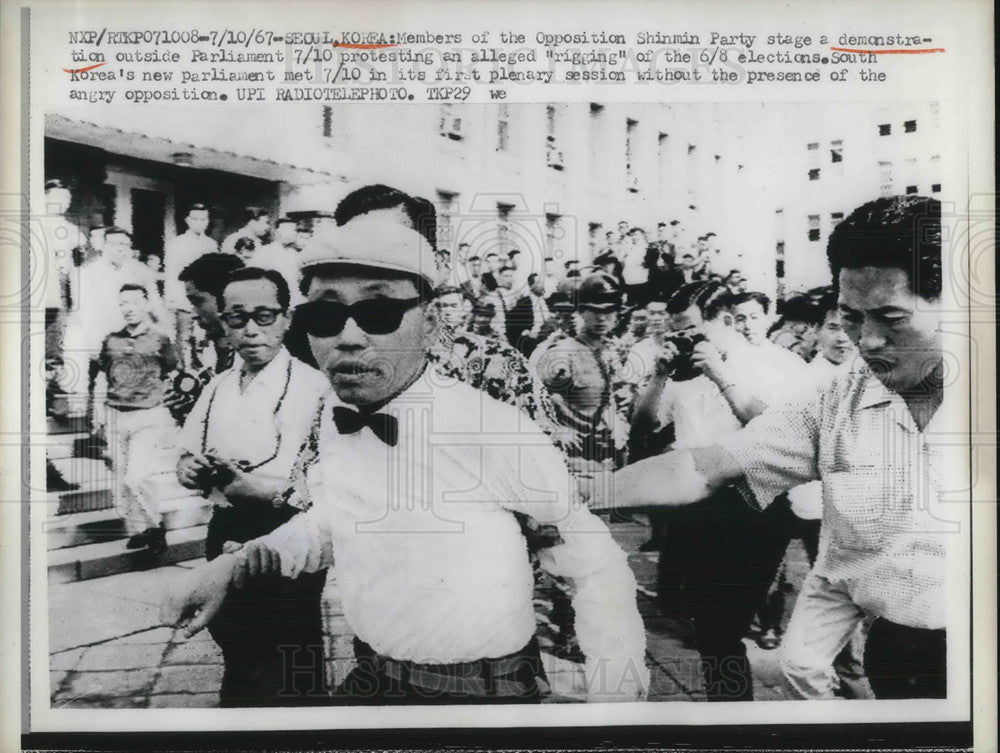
801 308
711 298
244 243
254 213
245 274
209 272
367 199
513 252
116 230
505 269
826 303
532 277
133 286
893 232
424 289
491 253
473 257
752 295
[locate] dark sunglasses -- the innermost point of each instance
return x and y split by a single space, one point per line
376 316
261 317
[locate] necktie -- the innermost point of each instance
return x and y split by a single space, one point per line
383 426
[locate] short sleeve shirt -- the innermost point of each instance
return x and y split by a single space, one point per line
885 530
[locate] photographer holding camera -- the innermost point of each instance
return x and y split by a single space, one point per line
707 383
240 444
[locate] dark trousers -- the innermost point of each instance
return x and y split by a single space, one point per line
270 630
906 662
729 553
373 683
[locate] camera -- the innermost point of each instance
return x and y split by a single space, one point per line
681 368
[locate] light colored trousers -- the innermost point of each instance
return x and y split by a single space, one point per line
824 644
143 444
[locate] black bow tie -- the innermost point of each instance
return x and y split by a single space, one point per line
383 426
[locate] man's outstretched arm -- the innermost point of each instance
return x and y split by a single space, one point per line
300 545
674 479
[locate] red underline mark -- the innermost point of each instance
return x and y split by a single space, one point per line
363 46
83 70
888 52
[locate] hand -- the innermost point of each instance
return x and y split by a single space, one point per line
709 359
255 559
664 359
195 597
191 470
237 484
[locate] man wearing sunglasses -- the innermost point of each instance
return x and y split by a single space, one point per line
413 493
240 442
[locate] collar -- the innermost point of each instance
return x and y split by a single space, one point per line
272 377
874 394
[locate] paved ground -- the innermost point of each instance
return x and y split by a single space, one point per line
109 650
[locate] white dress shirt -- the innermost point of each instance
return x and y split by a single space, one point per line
95 298
179 253
700 412
250 425
641 358
885 528
431 563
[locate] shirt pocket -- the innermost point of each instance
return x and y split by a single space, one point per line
855 503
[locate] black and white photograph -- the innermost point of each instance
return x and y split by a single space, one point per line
544 403
600 378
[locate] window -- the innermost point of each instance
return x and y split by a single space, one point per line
553 157
909 126
836 151
911 189
935 188
503 226
662 157
553 233
813 146
503 128
779 267
835 219
450 124
814 227
885 178
631 180
814 174
935 113
885 129
327 121
447 202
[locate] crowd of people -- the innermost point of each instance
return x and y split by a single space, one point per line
643 382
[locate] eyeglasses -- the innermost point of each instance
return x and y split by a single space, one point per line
376 316
261 317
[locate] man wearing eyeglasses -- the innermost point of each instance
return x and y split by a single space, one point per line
413 494
240 442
